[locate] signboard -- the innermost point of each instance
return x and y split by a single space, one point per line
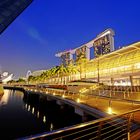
9 10
82 52
103 45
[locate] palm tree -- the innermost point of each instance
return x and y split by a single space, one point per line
33 79
81 63
30 79
46 75
61 71
72 70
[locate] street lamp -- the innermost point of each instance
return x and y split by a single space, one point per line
98 78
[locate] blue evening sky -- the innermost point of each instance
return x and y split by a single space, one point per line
50 26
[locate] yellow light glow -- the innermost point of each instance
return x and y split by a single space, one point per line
63 96
25 105
83 90
29 108
54 93
38 114
44 119
51 127
137 65
110 110
33 110
78 100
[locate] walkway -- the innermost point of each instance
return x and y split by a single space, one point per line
106 104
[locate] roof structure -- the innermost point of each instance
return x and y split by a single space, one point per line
9 10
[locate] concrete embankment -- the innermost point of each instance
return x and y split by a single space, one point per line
14 88
80 108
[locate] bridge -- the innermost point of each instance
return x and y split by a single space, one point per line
117 118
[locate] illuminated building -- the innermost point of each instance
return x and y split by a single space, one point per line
9 10
102 44
5 77
120 67
66 57
82 52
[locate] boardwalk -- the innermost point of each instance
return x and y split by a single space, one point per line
110 105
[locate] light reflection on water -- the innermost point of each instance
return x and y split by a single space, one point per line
21 117
5 97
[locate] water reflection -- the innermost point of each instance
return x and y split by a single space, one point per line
17 117
33 110
44 119
5 97
52 115
28 115
40 114
51 127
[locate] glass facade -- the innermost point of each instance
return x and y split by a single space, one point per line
120 64
9 10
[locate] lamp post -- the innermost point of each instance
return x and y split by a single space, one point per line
98 78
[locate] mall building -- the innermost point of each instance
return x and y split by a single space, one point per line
120 67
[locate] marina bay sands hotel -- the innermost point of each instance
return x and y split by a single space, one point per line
119 67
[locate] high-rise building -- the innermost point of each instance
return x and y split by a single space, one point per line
66 57
82 52
104 43
9 10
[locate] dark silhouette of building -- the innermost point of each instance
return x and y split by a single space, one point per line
9 10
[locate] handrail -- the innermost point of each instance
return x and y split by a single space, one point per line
117 99
45 134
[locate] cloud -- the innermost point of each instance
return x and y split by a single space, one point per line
32 32
35 34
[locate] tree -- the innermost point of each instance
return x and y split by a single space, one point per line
21 81
72 70
61 71
11 82
81 64
31 79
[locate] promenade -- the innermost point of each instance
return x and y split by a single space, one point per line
117 108
113 105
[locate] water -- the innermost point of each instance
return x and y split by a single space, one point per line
20 117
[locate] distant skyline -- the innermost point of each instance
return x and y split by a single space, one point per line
47 27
